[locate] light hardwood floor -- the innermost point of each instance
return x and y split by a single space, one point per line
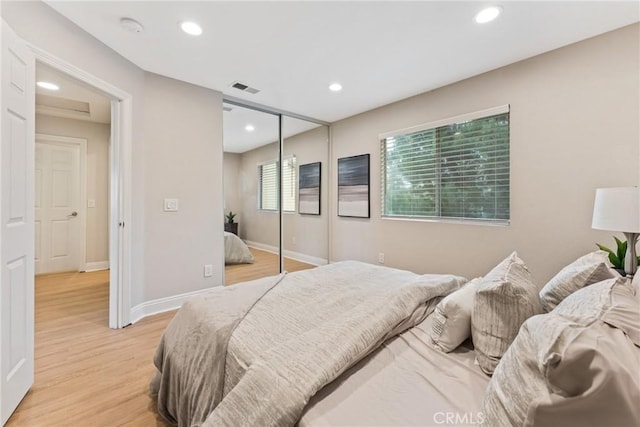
265 264
89 375
85 373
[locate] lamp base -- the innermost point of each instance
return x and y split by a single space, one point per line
631 260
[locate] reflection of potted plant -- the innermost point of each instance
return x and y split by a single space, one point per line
617 257
231 226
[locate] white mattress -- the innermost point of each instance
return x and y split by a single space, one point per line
406 382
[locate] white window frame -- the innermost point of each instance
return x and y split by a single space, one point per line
293 189
502 109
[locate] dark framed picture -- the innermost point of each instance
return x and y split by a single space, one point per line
309 188
353 186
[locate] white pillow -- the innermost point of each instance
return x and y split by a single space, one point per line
586 270
452 318
505 298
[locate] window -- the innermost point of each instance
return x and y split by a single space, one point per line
268 180
453 169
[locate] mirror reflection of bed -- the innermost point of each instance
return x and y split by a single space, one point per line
251 153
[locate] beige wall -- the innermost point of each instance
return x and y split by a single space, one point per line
256 225
232 200
97 185
184 161
170 148
306 235
574 127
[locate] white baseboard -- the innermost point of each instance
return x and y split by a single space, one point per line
161 305
288 254
96 266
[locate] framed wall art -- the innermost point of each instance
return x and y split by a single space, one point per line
309 188
353 186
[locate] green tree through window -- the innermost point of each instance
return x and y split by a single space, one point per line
456 171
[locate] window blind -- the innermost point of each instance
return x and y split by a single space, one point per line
268 176
458 170
268 180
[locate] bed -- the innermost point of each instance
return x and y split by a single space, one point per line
235 250
353 344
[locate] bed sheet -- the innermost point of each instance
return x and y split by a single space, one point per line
406 382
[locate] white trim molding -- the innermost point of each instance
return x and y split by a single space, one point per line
96 266
162 305
297 256
120 205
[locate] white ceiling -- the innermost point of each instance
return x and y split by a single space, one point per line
236 139
71 89
380 51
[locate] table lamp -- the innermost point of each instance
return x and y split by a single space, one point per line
618 209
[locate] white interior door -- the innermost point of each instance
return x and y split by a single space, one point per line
58 232
16 222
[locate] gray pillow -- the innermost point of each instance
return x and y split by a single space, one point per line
586 270
505 298
576 366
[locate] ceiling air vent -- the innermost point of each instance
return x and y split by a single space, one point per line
245 88
62 107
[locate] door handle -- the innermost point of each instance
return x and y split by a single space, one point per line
73 214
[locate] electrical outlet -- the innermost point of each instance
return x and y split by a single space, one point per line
208 270
91 203
293 240
381 257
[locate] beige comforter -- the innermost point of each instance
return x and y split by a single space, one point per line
255 354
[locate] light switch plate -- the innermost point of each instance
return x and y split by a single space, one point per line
91 203
208 270
171 205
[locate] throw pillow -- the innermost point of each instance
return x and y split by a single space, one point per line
505 298
452 318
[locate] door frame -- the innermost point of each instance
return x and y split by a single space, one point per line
81 143
120 184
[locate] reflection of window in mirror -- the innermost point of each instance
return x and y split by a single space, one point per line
268 184
251 186
251 139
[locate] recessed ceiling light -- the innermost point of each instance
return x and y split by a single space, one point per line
335 87
249 128
48 85
488 14
191 28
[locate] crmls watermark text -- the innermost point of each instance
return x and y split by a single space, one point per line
458 418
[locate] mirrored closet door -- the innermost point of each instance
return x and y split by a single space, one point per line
277 201
251 152
305 192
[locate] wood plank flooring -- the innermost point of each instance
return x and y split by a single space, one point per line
85 373
89 375
266 264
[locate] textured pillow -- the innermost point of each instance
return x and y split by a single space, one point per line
452 318
576 366
586 270
505 298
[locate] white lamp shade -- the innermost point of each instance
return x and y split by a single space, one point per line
617 209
